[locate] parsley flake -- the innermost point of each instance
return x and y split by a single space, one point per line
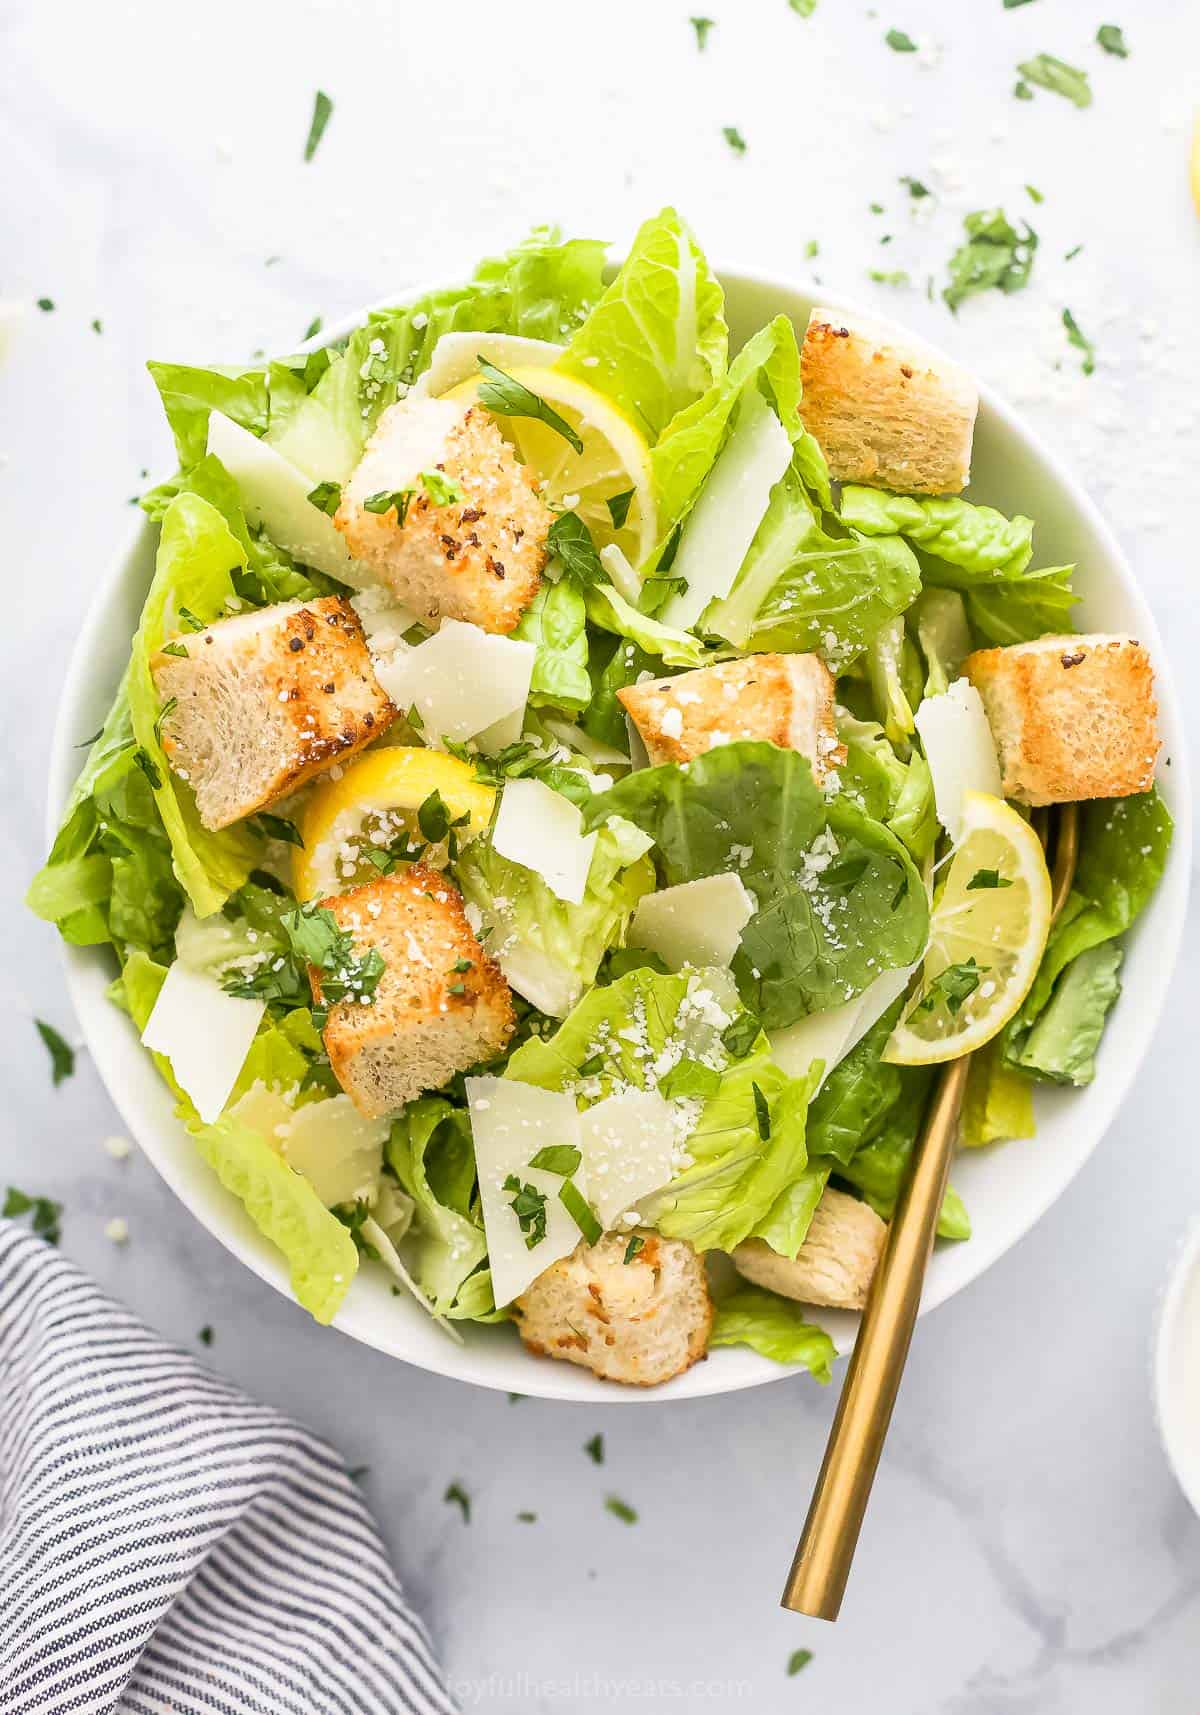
506 397
62 1055
560 1158
570 541
916 189
322 108
594 1448
44 1211
1058 77
953 986
1081 342
620 1509
734 138
326 497
443 490
618 508
701 26
988 878
762 1113
801 1657
580 1211
314 327
45 305
636 1244
457 1496
994 254
900 42
1112 40
384 499
803 8
528 1204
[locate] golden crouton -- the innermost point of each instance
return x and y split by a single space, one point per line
641 1321
441 1004
478 558
836 1263
1072 717
786 699
262 701
885 408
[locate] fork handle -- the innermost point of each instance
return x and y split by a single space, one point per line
817 1580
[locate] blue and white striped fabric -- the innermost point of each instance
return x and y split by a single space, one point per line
167 1544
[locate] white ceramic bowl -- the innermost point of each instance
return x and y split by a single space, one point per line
1006 1189
1177 1367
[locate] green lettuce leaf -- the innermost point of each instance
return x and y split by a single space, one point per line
838 897
1018 610
879 1167
549 949
774 1327
657 338
857 1097
611 612
1123 848
192 569
896 680
604 717
320 1253
429 1150
801 589
189 394
684 457
975 540
999 1102
939 618
647 1022
1061 1046
556 622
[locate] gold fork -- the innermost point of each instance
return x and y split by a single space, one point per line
817 1580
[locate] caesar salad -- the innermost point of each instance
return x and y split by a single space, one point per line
572 785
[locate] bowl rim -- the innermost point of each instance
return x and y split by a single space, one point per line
568 1382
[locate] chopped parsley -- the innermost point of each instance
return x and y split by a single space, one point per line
45 304
801 1657
1011 5
171 649
507 397
62 1055
916 189
1081 342
636 1244
1058 77
1022 90
900 43
560 1158
317 939
457 1496
384 499
804 8
528 1204
164 714
570 541
620 1509
205 1336
740 1036
690 1078
148 766
618 508
314 327
44 1211
1034 194
443 490
526 1518
896 277
734 138
1112 40
701 26
190 622
437 824
97 325
326 497
988 878
994 254
322 108
811 249
594 1448
580 1211
1072 254
953 986
762 1113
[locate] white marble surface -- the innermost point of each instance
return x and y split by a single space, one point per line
1027 1552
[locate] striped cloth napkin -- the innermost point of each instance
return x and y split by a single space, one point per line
167 1544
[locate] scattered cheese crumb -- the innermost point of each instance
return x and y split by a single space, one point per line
117 1230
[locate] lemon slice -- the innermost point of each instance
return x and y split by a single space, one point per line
987 934
372 804
615 457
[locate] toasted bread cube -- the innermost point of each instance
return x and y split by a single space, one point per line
641 1321
441 1004
786 699
262 701
834 1266
1072 717
885 408
478 559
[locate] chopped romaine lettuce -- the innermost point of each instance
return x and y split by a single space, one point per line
976 540
657 338
556 622
998 1103
429 1151
774 1327
1062 1044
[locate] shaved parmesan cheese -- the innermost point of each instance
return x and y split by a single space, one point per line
594 749
462 680
204 1033
830 1035
388 1255
625 580
274 495
456 358
510 1122
721 525
384 621
959 749
628 1143
696 923
543 981
541 830
336 1149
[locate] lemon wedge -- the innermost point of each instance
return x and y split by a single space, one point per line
372 804
614 463
987 933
